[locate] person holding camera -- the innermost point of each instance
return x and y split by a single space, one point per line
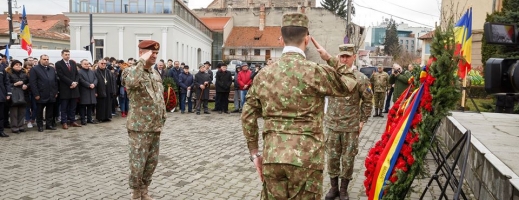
400 78
201 84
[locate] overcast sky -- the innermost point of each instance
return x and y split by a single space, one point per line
415 13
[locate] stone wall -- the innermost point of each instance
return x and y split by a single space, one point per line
325 26
486 175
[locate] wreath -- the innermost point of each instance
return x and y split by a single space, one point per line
170 97
433 95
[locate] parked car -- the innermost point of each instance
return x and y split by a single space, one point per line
368 71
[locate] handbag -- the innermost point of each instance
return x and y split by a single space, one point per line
18 97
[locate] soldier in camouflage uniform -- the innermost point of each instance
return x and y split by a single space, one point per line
380 82
343 122
145 119
289 96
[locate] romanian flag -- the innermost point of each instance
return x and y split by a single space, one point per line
463 39
389 156
25 35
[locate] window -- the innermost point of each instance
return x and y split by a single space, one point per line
244 52
110 6
99 46
83 6
168 7
44 47
232 52
257 52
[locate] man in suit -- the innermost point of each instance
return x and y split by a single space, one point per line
159 67
44 87
68 89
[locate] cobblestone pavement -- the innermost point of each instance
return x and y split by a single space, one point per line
201 157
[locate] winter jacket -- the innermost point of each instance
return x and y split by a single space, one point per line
223 81
185 81
244 79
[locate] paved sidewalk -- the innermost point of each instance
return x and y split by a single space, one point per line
201 157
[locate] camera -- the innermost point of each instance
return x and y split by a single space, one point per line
501 75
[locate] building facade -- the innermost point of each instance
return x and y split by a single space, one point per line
47 31
258 3
330 38
407 36
119 25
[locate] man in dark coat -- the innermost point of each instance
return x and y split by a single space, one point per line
186 83
7 104
87 91
68 89
44 87
223 87
5 94
104 91
201 83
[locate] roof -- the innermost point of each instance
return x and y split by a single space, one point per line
35 21
41 26
40 34
215 23
428 35
245 36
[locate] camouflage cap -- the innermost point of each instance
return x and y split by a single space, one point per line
346 49
295 19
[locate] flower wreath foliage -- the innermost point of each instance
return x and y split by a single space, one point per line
441 93
170 97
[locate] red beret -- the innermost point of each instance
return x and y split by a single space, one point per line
149 44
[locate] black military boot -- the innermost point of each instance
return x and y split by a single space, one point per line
334 191
344 189
380 113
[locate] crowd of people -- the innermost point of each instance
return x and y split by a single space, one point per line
68 93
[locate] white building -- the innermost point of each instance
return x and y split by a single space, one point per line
118 28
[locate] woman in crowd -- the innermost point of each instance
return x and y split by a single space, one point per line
19 85
123 96
30 108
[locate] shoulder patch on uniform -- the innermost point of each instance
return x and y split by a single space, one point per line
369 88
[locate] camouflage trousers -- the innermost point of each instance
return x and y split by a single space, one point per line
341 147
285 181
379 99
144 157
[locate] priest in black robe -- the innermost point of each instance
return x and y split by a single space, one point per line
104 92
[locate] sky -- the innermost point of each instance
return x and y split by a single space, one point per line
368 12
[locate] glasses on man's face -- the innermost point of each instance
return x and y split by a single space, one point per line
44 59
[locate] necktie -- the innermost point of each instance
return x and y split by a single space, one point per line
68 65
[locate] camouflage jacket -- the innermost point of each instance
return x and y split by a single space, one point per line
289 96
380 81
146 94
345 113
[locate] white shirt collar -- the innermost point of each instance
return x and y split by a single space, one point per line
293 49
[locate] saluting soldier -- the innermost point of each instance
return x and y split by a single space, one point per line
289 96
145 119
343 123
380 82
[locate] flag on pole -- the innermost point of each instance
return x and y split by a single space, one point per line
463 39
25 35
